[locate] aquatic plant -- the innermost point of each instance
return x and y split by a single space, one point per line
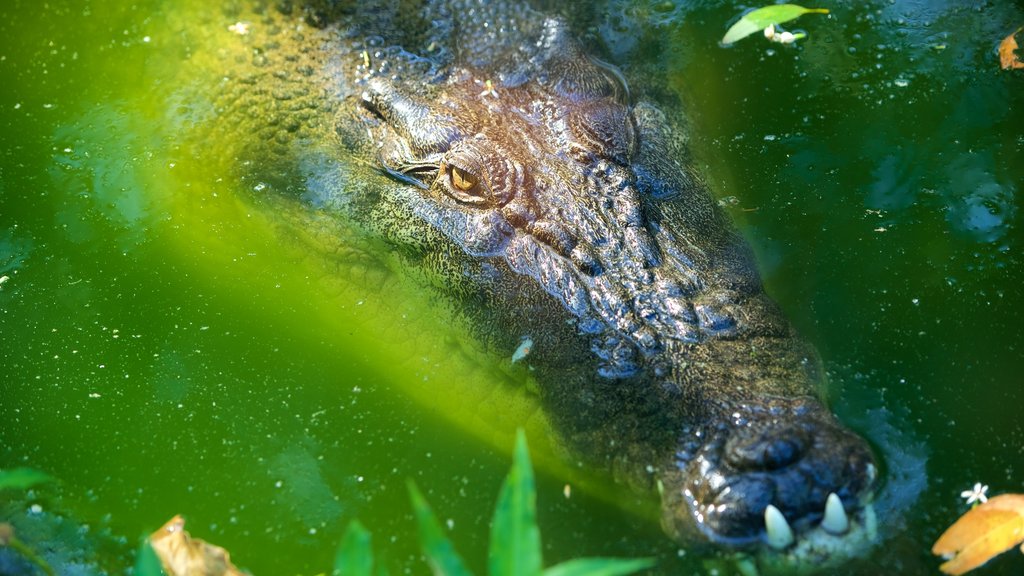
514 550
22 479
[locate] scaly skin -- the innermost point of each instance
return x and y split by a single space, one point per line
548 199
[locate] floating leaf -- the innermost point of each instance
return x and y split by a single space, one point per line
599 567
1007 49
22 478
443 559
761 18
182 555
981 533
515 538
354 556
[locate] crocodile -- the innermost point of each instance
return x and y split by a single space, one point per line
553 198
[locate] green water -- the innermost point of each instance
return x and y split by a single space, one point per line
170 346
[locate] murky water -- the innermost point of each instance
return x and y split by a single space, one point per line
171 344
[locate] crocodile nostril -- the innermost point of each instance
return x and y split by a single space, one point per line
766 449
781 453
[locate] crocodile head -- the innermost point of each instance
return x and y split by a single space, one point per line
539 159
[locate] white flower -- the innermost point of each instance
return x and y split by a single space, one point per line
977 494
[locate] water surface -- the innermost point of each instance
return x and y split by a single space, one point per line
173 343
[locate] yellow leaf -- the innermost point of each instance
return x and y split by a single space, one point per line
981 533
182 555
1006 52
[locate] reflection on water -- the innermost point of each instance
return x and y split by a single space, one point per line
172 345
96 162
979 205
14 250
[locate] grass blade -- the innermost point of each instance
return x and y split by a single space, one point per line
22 478
599 567
355 555
441 555
515 538
146 561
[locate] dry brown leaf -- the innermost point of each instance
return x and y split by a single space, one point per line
1006 52
982 533
182 555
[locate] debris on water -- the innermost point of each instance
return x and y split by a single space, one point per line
240 28
992 526
767 19
1008 59
524 349
489 89
180 554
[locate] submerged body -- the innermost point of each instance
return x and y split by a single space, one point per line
552 200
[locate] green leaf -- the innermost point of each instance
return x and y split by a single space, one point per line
11 541
354 556
441 555
515 538
146 561
599 567
22 478
761 18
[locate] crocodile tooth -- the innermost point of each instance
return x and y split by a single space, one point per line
870 522
835 521
779 534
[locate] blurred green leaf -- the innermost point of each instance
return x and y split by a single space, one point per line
146 561
515 538
599 567
22 478
758 20
441 555
354 556
8 539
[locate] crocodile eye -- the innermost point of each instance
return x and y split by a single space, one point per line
464 185
463 181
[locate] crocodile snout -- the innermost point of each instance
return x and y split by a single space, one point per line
769 476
